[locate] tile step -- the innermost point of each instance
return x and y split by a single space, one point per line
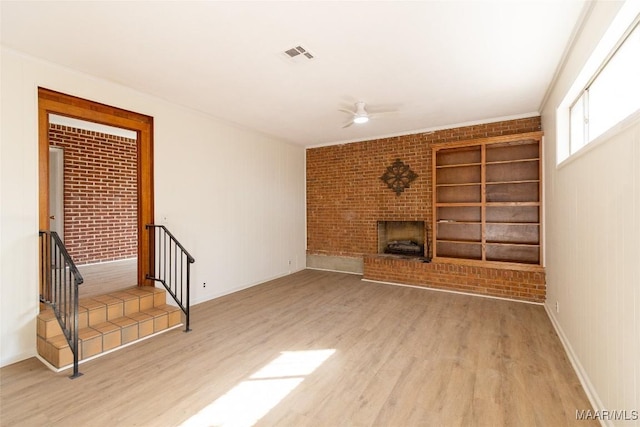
105 308
107 322
107 335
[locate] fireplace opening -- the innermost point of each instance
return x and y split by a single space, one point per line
406 238
404 247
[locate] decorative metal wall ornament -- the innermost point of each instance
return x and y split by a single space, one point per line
398 176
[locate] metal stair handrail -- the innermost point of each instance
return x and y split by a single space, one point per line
59 281
171 266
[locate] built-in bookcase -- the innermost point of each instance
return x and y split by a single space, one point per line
487 199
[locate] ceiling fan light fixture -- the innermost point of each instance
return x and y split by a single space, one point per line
361 115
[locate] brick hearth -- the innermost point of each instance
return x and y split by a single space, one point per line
498 282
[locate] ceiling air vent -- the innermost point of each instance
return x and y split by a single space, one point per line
298 50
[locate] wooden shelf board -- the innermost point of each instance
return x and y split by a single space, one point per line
511 223
523 181
457 204
457 165
496 243
489 243
499 162
496 204
458 185
451 221
505 265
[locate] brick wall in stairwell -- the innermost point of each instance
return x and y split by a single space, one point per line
100 194
346 198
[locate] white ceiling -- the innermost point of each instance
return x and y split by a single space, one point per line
436 63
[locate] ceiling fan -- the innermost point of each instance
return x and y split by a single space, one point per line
360 115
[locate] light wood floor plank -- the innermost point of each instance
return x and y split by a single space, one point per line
403 357
108 277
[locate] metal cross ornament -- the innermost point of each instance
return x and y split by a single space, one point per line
398 176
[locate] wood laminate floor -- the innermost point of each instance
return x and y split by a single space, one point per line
108 277
319 349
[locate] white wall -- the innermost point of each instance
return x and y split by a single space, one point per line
235 198
593 244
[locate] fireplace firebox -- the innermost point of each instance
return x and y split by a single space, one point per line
405 238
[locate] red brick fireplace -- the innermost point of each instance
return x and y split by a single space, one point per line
346 200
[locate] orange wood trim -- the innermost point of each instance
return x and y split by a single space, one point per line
541 220
483 200
66 105
43 169
489 140
145 204
106 113
434 205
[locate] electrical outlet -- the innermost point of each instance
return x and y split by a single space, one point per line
557 307
204 284
289 262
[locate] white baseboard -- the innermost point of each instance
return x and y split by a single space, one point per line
195 302
333 271
590 391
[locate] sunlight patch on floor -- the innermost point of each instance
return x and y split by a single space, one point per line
251 399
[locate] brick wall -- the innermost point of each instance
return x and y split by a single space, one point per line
524 285
100 194
346 197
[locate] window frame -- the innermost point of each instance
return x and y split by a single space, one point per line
584 97
626 21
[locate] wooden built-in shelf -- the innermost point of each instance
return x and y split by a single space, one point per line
487 200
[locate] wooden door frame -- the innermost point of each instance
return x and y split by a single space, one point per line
51 102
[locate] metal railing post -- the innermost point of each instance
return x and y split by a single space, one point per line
60 289
170 267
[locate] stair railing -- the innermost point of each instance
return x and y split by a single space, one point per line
171 266
59 281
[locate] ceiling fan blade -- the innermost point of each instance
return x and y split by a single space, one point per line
381 113
383 108
348 124
344 110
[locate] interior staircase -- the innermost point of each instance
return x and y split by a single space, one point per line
107 322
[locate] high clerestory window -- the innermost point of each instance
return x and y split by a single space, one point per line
611 94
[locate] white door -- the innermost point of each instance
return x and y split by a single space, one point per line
56 191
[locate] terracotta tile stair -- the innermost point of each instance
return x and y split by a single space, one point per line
107 322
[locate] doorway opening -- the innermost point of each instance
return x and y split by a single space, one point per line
56 111
93 200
